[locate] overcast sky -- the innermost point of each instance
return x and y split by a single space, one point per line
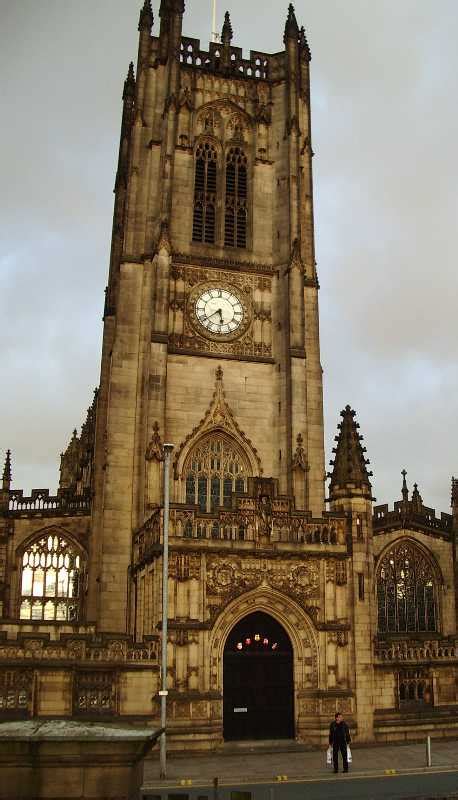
385 133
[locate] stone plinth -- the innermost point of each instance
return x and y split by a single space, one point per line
62 759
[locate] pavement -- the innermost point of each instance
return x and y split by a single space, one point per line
255 763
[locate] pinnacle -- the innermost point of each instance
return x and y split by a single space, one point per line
349 464
304 44
454 492
129 83
405 491
146 20
7 467
291 27
227 32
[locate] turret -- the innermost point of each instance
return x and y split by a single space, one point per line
350 491
349 477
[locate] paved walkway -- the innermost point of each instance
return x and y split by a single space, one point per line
250 765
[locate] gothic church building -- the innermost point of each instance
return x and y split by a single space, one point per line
287 601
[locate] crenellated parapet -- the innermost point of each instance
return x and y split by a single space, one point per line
411 514
41 503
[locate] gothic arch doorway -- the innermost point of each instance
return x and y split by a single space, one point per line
258 686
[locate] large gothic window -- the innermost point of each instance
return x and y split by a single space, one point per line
406 591
236 215
213 471
204 223
50 581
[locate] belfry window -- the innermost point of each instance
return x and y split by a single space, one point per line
204 223
214 470
50 581
406 591
236 214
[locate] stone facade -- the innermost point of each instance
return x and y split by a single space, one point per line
211 342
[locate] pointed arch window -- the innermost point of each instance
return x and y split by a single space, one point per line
214 470
406 591
52 570
205 184
236 211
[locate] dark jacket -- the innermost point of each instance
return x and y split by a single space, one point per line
339 733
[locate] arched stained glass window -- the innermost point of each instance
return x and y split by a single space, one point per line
204 223
214 470
50 581
236 215
406 591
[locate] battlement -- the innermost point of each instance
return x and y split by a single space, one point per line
259 66
404 515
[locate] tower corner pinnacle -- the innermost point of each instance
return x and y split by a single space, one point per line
146 20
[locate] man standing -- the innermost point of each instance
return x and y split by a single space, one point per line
339 737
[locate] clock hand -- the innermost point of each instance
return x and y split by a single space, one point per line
215 313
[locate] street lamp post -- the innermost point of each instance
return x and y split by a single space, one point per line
165 610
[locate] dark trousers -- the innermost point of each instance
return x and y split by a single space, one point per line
342 746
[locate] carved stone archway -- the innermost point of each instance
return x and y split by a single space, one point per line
291 617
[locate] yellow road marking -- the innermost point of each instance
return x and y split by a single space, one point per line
352 776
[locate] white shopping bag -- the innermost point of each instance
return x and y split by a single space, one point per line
329 756
349 757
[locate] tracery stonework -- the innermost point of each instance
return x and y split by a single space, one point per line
183 567
227 578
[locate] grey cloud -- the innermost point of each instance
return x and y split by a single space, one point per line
385 128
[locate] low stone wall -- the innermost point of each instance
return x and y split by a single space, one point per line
66 760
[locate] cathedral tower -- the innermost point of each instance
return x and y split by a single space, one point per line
211 319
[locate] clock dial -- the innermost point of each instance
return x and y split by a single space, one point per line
219 311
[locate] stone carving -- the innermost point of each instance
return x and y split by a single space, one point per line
154 450
164 239
187 333
95 693
330 570
219 416
15 690
229 577
183 567
299 458
341 573
340 638
309 706
89 650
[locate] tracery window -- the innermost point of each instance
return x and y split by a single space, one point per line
236 215
406 591
213 471
50 581
204 223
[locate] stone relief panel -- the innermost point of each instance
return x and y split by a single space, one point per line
229 577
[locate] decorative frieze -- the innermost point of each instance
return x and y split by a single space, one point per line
95 693
90 650
15 692
229 577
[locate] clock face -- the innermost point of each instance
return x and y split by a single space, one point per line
219 311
